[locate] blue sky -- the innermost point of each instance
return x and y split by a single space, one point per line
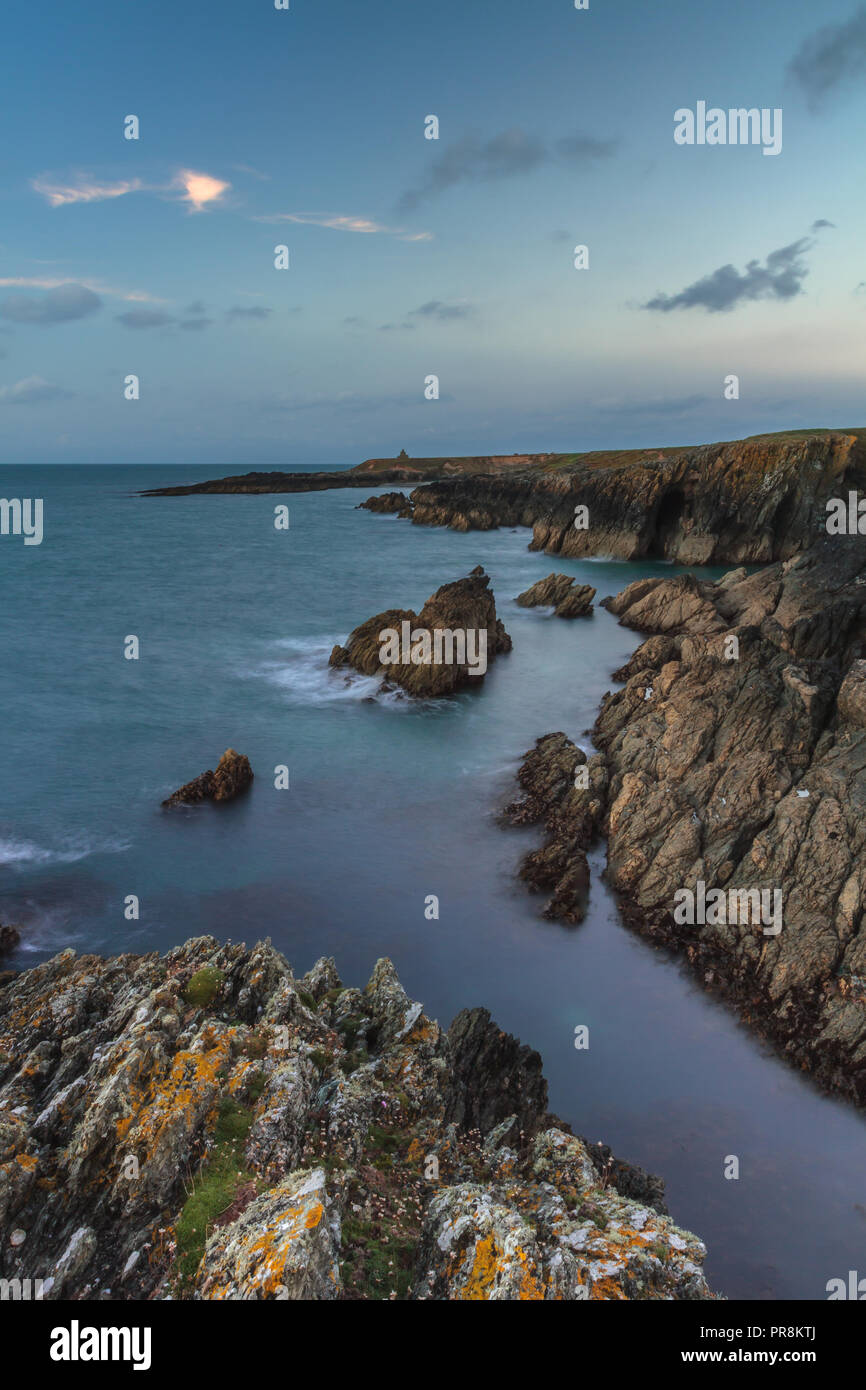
412 257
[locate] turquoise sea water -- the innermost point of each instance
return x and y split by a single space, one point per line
389 801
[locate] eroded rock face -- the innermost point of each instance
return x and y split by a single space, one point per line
737 758
233 775
464 609
567 794
751 501
568 598
205 1125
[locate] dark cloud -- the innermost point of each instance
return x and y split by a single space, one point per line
255 311
503 156
781 277
60 305
583 149
194 325
437 309
829 58
822 222
677 405
353 321
144 318
393 327
196 310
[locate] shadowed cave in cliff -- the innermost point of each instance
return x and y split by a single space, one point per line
667 524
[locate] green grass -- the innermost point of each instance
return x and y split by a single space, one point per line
213 1191
204 986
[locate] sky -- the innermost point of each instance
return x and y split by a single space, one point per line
412 257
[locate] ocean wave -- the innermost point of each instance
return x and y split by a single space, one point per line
18 853
307 679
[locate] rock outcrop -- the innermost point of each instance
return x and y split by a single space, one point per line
567 794
233 775
9 938
206 1126
568 598
736 753
438 651
387 503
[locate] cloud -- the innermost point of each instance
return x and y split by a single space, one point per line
200 189
84 190
507 155
31 391
196 324
144 318
781 277
583 149
196 309
436 309
60 305
254 311
393 327
30 282
822 222
340 222
830 58
658 406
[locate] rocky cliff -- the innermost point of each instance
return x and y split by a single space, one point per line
751 501
733 763
206 1126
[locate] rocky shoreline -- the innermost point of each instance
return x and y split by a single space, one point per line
733 762
206 1126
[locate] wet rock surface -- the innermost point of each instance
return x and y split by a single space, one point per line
566 793
205 1125
466 607
736 754
233 775
568 598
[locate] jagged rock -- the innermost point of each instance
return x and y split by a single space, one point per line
284 1245
464 607
571 813
736 753
233 775
569 599
294 1139
552 1233
492 1077
387 503
9 938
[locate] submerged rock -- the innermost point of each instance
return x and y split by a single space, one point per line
569 599
438 651
233 775
276 1137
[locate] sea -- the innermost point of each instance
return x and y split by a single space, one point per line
390 801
